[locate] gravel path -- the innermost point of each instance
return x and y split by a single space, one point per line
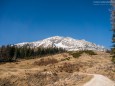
99 80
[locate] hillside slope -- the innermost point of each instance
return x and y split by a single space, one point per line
57 70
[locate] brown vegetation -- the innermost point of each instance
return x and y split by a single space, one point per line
60 70
44 62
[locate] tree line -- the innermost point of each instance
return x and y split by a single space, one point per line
12 53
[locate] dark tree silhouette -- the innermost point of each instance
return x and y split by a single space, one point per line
113 30
11 53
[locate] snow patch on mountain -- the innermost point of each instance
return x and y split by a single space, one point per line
67 43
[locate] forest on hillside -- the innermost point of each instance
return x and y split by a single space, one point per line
11 53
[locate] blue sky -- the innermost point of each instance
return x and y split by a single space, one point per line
32 20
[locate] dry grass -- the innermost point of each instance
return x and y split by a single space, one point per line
45 79
44 62
68 67
60 70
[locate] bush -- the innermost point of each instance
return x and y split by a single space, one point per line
90 52
68 67
108 51
44 62
113 60
76 54
113 55
68 58
79 53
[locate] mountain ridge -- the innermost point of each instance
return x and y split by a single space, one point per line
67 43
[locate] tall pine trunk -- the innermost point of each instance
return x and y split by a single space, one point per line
113 30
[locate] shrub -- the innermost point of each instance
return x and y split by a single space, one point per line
79 53
108 51
68 58
113 55
113 60
76 54
90 52
68 67
44 62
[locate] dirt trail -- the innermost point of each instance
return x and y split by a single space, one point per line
99 80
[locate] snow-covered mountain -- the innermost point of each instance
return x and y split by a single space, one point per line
67 43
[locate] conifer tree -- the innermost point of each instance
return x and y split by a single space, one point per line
113 30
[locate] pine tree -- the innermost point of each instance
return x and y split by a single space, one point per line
113 30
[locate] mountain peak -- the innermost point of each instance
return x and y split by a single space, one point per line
67 43
55 37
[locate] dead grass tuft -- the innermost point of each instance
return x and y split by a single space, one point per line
44 62
68 67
